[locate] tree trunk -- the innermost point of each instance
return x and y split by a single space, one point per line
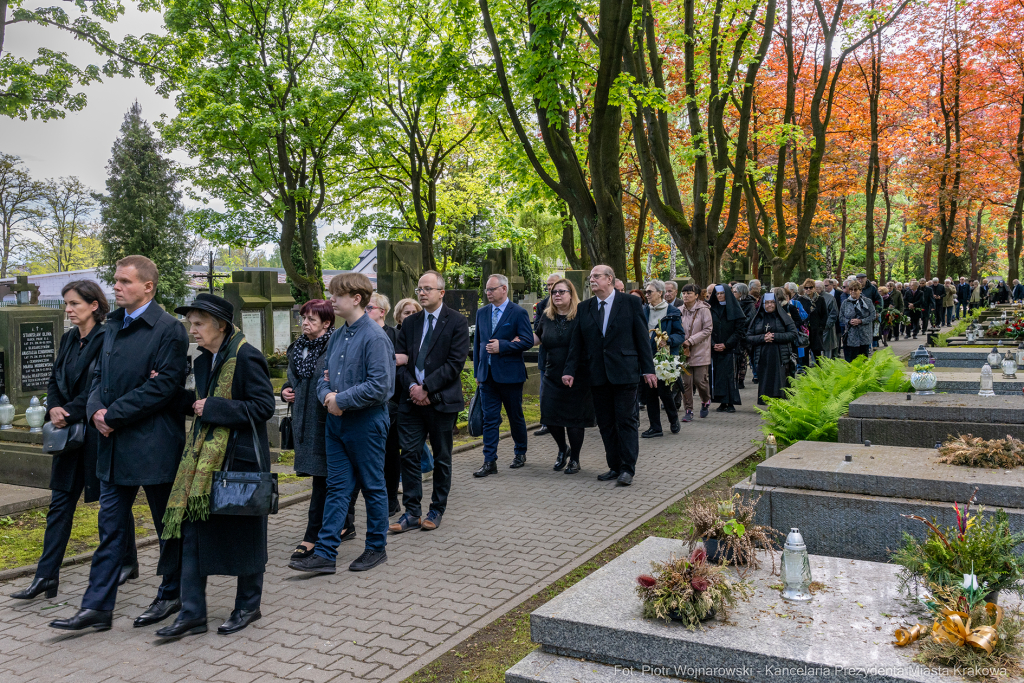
842 237
1013 226
638 243
928 253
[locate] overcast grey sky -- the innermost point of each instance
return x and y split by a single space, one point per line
79 145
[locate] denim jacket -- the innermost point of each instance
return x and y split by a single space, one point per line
361 366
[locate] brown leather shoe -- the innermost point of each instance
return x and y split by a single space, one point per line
405 523
431 521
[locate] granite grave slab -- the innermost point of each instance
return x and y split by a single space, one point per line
844 634
894 420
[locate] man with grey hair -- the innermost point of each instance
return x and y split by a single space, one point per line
754 287
612 342
672 293
503 332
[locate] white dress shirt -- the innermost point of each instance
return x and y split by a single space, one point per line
421 375
607 310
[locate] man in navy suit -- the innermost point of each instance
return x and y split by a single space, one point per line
503 332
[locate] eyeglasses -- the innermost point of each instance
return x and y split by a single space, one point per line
493 289
559 292
594 277
650 291
808 288
425 290
371 307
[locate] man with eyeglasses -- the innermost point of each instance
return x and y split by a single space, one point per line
613 341
503 332
436 341
542 306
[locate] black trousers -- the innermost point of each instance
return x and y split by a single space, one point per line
415 425
651 397
392 457
248 592
315 517
915 322
614 406
59 520
101 593
851 352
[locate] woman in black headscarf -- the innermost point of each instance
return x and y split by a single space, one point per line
770 336
727 331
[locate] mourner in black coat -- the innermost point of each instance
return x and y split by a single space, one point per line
437 350
74 471
616 348
140 368
771 356
729 326
232 545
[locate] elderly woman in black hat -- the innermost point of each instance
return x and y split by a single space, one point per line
232 402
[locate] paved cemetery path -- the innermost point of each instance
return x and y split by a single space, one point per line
502 539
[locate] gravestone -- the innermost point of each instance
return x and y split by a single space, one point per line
29 338
263 309
465 301
399 267
580 279
500 262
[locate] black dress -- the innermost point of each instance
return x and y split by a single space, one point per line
562 406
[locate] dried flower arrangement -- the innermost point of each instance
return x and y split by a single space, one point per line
690 590
973 451
731 523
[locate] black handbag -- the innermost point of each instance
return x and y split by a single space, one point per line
252 494
476 415
60 440
287 435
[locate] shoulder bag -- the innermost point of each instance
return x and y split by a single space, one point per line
287 435
252 494
476 415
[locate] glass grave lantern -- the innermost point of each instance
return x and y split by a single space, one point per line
796 568
6 412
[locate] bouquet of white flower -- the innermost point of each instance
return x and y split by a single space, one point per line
667 367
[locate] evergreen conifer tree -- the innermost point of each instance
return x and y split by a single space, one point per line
142 211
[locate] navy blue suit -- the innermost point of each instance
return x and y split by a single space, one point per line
501 375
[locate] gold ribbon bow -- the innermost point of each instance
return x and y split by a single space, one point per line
955 628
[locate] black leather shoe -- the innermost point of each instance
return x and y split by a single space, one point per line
560 460
518 461
128 572
651 433
487 469
49 586
731 409
313 564
675 426
158 611
301 552
542 431
239 619
721 408
625 479
368 560
98 619
183 627
608 476
573 468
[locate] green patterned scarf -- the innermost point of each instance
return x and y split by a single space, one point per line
204 453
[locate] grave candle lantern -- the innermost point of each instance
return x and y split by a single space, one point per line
1009 366
1020 354
35 415
994 358
986 381
796 568
6 412
970 335
770 446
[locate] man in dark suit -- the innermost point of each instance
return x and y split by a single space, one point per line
503 332
542 306
613 341
140 368
963 296
436 340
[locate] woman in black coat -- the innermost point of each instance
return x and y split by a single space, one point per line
233 545
309 417
74 471
770 336
742 355
727 331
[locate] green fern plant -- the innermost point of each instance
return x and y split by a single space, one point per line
816 399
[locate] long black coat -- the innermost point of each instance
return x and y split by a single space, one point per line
309 419
443 363
69 389
623 353
233 545
149 433
771 358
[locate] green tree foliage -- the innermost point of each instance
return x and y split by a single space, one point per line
340 255
43 86
263 90
18 196
64 236
142 211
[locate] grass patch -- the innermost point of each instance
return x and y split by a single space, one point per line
21 535
485 656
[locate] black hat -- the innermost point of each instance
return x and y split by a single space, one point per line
216 306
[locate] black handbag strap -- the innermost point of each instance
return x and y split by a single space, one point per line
264 467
